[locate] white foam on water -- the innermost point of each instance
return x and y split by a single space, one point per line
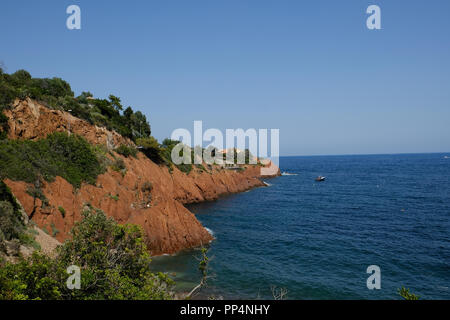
288 174
210 231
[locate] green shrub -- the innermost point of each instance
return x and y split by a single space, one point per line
151 148
12 224
37 193
114 197
63 211
3 125
126 151
405 294
166 149
6 195
70 157
118 165
113 259
54 230
186 168
38 277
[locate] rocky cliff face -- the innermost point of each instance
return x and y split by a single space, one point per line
31 120
168 225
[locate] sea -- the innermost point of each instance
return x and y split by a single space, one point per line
316 240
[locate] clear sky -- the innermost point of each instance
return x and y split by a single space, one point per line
310 68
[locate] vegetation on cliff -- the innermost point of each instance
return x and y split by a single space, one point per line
113 260
56 93
13 229
11 221
70 157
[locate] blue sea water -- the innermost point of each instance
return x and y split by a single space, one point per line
316 239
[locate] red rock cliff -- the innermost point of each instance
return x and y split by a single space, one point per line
168 225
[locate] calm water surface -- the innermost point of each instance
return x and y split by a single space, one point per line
317 239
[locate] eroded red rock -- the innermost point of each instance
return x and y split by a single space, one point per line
168 225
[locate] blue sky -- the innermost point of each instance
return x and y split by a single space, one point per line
310 68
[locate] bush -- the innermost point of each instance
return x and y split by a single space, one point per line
12 224
118 165
186 168
405 294
126 151
114 197
37 193
113 259
70 157
54 230
3 125
148 143
63 211
152 149
163 154
38 277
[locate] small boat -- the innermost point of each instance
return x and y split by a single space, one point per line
320 179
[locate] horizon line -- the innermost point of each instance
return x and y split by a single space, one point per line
364 154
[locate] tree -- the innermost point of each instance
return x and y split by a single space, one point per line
21 75
4 126
12 223
36 278
151 148
83 97
115 102
148 143
203 267
87 94
128 113
113 260
139 122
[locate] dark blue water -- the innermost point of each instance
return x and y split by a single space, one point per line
316 239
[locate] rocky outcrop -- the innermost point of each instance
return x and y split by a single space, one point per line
160 210
31 120
14 248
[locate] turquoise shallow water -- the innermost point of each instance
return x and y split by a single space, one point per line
317 239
